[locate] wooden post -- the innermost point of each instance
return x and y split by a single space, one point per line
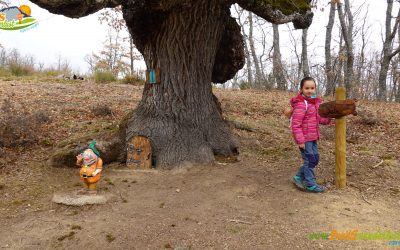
340 143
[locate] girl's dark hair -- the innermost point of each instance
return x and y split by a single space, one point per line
307 78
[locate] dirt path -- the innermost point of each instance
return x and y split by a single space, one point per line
249 204
194 208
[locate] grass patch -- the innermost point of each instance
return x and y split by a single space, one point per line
110 237
70 235
109 181
76 227
104 77
234 229
21 70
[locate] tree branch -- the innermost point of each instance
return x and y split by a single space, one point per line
76 8
279 12
395 52
396 25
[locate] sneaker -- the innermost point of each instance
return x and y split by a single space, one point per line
298 181
315 189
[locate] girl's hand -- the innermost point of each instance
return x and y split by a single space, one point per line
302 146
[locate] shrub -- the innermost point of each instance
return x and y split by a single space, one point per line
4 72
18 127
133 79
101 110
104 77
244 85
21 70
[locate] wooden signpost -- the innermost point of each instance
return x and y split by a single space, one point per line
340 152
339 109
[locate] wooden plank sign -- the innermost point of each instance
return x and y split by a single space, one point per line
139 153
337 109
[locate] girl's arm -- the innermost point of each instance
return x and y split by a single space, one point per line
299 111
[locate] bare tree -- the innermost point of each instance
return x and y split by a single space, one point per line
387 50
114 19
329 71
258 78
3 57
112 57
90 60
347 32
295 68
263 28
361 58
63 65
242 23
277 61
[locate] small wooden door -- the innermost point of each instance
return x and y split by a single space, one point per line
139 153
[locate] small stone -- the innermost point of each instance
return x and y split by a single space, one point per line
177 190
79 200
180 248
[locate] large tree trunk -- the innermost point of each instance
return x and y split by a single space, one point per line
194 43
181 115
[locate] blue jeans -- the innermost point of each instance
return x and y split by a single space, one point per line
310 157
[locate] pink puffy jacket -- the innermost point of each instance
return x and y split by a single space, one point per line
305 123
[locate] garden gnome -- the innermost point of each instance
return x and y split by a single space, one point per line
91 166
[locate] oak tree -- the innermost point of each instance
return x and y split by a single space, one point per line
193 43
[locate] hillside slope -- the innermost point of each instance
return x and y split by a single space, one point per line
245 204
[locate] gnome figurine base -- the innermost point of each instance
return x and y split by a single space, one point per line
90 173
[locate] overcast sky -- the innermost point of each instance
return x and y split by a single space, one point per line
74 38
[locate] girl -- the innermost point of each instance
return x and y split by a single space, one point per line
305 130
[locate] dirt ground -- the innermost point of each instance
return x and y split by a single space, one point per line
248 204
